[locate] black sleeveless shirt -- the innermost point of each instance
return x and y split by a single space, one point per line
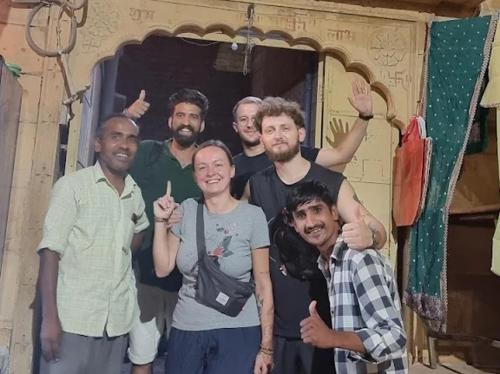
291 296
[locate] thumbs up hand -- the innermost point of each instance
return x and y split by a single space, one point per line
138 107
357 235
312 309
314 331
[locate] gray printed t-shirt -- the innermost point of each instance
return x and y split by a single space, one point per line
230 237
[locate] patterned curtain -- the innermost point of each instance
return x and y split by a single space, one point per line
457 58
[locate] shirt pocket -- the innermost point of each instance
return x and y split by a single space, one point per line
129 222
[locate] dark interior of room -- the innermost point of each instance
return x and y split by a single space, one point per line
162 65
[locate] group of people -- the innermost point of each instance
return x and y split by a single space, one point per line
141 204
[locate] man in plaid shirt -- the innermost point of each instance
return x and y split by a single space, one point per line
368 334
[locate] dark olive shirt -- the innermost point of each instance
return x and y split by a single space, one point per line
154 165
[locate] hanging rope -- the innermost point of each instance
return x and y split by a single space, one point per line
66 6
249 44
61 53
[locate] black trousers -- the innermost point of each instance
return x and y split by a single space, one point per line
292 356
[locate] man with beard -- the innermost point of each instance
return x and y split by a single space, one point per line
254 158
281 125
156 163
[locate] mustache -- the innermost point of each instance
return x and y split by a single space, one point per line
308 230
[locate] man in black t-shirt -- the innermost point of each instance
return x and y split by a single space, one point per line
281 125
254 158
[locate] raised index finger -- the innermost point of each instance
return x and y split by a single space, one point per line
169 188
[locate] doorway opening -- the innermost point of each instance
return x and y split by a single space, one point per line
162 65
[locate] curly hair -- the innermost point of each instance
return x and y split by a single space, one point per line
276 106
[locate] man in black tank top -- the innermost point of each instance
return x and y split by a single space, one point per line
281 125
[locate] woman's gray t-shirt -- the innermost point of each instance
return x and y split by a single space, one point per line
230 237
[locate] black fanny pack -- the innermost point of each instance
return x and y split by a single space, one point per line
214 288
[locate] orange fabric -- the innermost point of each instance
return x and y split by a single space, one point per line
409 171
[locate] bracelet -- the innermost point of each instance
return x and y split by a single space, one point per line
365 117
158 219
266 351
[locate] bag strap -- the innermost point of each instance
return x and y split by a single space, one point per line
200 234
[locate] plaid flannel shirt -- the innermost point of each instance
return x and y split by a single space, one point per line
364 299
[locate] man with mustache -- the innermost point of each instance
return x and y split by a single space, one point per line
367 329
156 163
281 126
95 219
254 158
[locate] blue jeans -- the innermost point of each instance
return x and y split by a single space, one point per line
220 351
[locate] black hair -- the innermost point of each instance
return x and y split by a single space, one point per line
214 143
191 96
102 125
305 192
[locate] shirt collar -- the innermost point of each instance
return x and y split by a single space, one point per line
98 173
100 177
336 253
167 148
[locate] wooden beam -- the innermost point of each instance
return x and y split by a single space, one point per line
35 170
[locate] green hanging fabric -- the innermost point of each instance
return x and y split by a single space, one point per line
457 59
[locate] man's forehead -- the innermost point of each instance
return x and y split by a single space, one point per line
247 107
187 107
120 125
277 120
310 204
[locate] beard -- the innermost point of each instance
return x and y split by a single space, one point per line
185 140
284 156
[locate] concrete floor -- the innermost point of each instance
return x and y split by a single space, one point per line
449 365
445 368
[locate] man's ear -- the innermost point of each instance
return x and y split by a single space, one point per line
288 217
302 134
235 127
202 126
335 213
97 145
169 122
